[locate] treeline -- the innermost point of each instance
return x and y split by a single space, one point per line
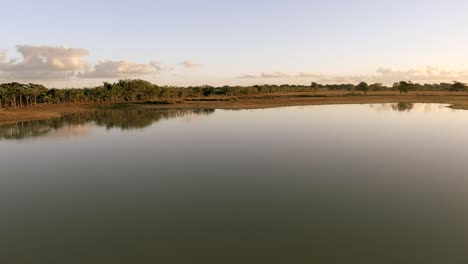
14 95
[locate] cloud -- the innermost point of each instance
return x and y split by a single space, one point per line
248 76
429 74
156 65
121 69
309 75
275 75
190 64
388 76
266 75
47 63
159 68
43 62
323 78
382 75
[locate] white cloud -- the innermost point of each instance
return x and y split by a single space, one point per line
274 75
324 78
57 63
248 76
389 76
121 69
309 75
43 63
266 75
429 74
158 66
190 64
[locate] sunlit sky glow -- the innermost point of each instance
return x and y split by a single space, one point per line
177 42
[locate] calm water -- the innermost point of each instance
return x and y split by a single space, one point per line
384 183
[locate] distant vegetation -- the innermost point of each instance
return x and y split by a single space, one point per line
14 95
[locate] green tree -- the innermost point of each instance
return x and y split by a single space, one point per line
2 95
208 90
363 87
376 87
457 87
403 86
36 90
314 86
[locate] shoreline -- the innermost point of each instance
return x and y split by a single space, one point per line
40 112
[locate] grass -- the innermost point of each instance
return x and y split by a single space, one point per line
458 100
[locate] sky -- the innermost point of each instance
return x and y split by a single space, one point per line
187 42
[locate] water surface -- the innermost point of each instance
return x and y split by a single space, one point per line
382 183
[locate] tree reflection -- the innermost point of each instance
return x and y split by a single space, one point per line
403 107
115 118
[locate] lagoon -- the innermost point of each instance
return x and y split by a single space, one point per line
380 183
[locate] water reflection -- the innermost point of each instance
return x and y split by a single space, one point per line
403 107
75 124
127 119
408 107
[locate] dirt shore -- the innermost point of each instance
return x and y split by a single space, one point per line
456 101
